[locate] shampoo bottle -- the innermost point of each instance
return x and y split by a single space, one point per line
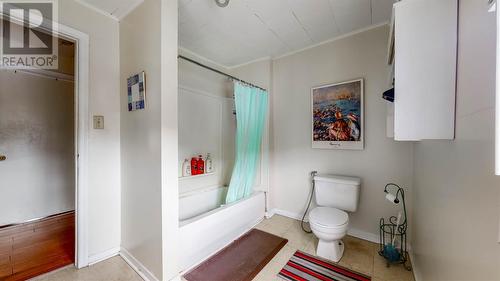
194 166
201 165
209 168
186 168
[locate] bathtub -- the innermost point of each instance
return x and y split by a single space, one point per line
206 226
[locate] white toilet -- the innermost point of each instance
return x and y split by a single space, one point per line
329 221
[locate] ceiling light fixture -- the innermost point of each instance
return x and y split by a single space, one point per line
222 3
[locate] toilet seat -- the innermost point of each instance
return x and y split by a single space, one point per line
326 217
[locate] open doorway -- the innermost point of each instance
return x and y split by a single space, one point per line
38 153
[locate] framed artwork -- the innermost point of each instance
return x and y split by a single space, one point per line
337 116
136 86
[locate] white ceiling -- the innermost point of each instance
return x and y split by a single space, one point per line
117 9
248 30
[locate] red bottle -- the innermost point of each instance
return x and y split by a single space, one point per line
201 165
194 166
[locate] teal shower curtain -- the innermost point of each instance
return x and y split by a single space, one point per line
251 110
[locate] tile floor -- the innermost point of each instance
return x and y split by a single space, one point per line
113 269
359 255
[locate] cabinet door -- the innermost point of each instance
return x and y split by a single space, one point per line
425 69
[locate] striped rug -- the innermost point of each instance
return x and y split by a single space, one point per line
304 267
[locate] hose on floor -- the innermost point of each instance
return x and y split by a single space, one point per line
313 174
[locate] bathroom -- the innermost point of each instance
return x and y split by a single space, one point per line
291 158
228 140
356 50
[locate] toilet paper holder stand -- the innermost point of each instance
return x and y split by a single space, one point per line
392 229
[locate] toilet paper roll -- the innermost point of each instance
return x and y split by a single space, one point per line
390 197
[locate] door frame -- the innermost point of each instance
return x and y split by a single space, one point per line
82 117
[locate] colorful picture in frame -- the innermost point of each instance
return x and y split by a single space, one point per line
136 86
337 116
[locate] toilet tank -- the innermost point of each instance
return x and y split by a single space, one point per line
337 191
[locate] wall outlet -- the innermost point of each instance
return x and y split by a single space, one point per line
98 122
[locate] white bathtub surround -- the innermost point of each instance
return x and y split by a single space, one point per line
214 134
208 232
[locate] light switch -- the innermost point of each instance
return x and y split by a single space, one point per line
98 122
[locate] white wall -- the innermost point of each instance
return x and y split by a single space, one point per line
37 135
457 196
382 161
257 72
140 50
104 145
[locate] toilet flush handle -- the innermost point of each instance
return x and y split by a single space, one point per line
3 158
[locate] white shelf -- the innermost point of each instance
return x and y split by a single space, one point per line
197 176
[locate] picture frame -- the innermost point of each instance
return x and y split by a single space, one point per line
337 112
136 91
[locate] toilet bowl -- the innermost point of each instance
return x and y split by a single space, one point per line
335 196
329 225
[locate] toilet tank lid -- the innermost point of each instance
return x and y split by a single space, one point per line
338 179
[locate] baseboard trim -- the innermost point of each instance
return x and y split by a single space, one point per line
269 214
137 266
176 278
414 267
372 237
288 214
104 255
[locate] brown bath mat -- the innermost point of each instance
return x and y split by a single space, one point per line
242 260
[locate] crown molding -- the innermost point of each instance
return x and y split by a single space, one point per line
112 16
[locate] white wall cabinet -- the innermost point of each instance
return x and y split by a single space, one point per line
425 61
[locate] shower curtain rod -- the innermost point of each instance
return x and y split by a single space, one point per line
219 72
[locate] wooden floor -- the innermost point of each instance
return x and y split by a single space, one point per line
37 247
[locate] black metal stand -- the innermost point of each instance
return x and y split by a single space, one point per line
390 229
